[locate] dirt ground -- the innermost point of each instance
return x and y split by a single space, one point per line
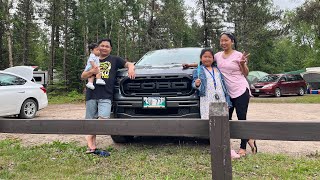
257 111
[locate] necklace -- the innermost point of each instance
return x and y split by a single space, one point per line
216 96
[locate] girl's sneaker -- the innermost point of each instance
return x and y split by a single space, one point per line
234 155
90 85
100 82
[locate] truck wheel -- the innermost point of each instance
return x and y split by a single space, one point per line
28 109
121 139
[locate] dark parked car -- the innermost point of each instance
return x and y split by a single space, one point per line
161 89
279 84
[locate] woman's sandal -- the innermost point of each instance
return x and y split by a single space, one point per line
98 152
253 146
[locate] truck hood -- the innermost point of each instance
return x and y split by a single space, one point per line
155 70
23 71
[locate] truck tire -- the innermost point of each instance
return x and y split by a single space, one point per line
121 139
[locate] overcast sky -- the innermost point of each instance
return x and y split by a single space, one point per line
282 4
288 4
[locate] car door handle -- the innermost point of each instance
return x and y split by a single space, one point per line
21 92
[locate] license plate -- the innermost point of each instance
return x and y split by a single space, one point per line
154 102
257 90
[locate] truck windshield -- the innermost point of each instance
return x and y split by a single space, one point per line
170 56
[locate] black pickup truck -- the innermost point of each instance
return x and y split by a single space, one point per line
161 89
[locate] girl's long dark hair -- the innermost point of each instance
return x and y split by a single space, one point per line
232 37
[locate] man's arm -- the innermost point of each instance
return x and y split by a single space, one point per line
186 66
91 72
131 70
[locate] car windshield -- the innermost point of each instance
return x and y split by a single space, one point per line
170 57
269 78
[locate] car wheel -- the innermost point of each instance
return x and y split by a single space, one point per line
28 109
255 95
121 139
277 92
301 91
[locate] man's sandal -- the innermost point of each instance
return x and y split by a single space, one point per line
98 152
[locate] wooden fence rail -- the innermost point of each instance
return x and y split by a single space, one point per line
220 130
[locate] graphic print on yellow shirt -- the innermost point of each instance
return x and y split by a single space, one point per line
105 69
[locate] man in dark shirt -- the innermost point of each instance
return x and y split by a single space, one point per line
98 101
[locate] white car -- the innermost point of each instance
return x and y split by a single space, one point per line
19 95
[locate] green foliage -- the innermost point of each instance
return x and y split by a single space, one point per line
59 160
65 98
54 34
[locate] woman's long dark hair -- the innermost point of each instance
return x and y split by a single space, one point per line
207 50
232 37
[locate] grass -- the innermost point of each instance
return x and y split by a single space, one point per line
306 99
64 98
140 161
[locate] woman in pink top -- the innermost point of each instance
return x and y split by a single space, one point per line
233 66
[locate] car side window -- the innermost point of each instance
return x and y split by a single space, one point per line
298 77
291 78
10 80
283 78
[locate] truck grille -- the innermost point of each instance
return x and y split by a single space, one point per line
164 85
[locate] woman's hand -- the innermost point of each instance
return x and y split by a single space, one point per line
243 64
244 58
197 82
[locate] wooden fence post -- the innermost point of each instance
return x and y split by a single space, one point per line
220 141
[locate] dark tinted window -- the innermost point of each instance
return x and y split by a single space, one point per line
291 78
298 77
283 78
37 79
170 56
269 78
10 80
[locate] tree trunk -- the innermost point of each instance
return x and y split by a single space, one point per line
2 35
111 27
26 31
8 30
65 44
2 64
118 50
205 23
149 34
9 38
52 48
125 39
